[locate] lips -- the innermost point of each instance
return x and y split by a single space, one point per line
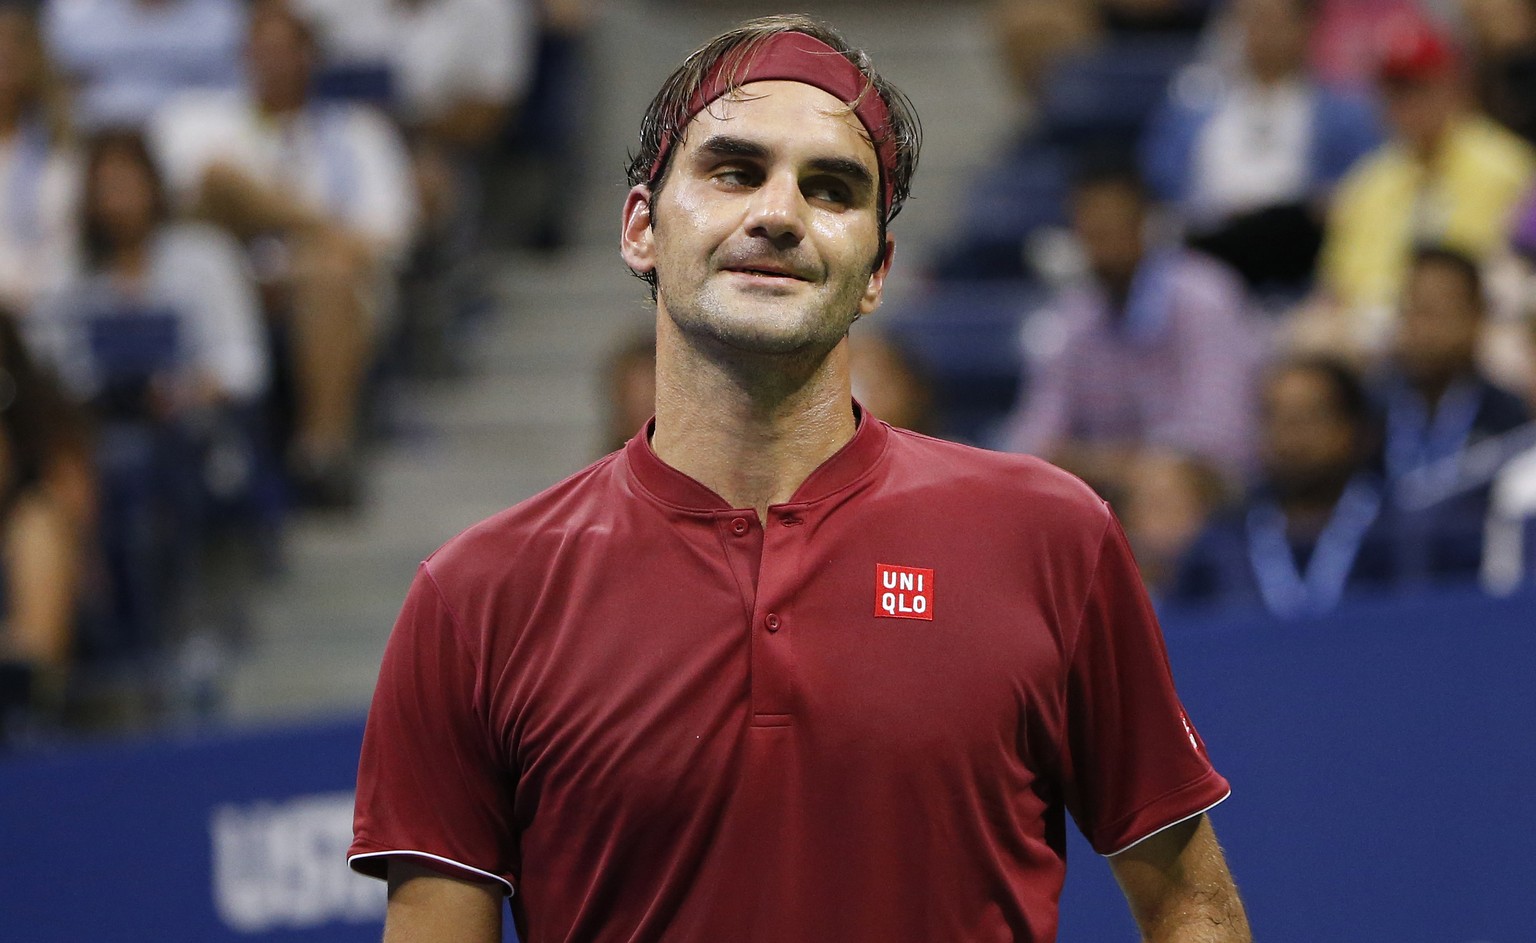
765 272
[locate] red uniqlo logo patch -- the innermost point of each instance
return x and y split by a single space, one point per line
903 592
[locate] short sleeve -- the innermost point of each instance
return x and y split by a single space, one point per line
430 785
1132 762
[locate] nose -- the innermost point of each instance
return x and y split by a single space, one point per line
777 212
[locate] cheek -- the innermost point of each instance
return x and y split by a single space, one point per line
850 245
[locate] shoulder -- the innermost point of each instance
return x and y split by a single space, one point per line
514 547
360 120
1198 274
200 243
1382 169
1502 411
202 259
1007 486
194 121
1491 142
1336 107
204 107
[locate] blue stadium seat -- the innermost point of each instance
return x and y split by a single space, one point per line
1106 94
966 334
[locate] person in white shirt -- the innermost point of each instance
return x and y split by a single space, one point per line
37 168
322 193
128 57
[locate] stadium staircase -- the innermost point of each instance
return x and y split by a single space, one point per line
526 412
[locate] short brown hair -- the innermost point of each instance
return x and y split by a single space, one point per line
669 112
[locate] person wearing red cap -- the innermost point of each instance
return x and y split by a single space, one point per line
775 671
1448 176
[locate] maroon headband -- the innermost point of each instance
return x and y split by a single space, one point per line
797 57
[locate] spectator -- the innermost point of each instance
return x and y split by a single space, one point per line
160 336
1310 532
1437 400
1438 404
1504 38
36 166
45 488
138 263
323 194
1154 348
1509 550
1166 506
456 67
1447 176
1251 157
1345 43
1033 34
890 382
1523 235
629 389
128 57
458 70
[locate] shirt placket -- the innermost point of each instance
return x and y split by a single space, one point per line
764 560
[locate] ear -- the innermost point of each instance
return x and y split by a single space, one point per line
876 287
637 237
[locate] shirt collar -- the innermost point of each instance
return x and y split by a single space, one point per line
847 466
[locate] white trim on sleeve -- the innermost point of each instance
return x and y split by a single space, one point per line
351 862
1165 828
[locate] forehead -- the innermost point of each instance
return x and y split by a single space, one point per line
1300 388
787 117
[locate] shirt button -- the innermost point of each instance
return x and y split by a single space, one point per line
739 526
772 622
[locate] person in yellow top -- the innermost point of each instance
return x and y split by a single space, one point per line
1448 176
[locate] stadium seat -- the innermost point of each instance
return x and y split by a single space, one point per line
967 335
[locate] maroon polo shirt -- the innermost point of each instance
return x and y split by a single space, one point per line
865 719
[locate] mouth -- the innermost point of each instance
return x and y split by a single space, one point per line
770 274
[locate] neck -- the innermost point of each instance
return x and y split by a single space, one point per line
749 427
1427 150
279 107
1271 77
130 260
1433 389
1307 510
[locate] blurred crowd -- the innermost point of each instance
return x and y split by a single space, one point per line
1262 272
226 228
1275 266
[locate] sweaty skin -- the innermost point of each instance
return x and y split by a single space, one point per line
763 236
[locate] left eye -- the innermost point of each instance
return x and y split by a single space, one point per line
827 193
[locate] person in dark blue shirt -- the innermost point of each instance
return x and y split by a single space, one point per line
1437 406
1313 528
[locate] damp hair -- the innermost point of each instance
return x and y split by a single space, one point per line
670 111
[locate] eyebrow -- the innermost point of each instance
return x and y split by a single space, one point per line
725 145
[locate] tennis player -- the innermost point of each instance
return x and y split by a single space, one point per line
775 671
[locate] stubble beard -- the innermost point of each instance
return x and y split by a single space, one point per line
805 325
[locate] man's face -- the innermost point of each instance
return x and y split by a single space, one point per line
764 235
123 195
1275 36
19 56
1438 328
1108 218
1307 438
1420 110
280 60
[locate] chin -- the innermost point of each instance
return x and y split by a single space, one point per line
761 325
